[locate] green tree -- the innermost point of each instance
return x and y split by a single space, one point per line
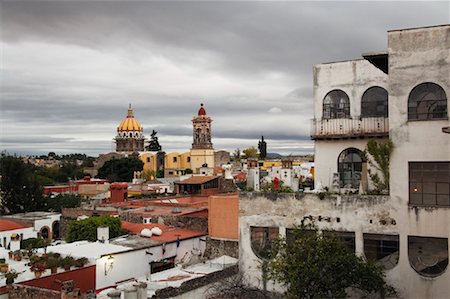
20 187
378 155
250 152
60 201
312 266
237 155
86 229
120 169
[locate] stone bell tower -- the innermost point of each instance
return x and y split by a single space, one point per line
202 130
202 152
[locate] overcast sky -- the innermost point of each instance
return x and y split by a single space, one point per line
69 69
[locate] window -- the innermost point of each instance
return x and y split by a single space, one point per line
427 101
374 102
174 159
429 183
350 167
348 238
261 240
382 249
148 159
188 159
428 256
336 105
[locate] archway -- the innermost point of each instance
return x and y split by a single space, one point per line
350 165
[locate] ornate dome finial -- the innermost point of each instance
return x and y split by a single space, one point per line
130 110
202 110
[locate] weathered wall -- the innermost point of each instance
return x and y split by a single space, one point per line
417 56
193 284
216 248
354 78
359 214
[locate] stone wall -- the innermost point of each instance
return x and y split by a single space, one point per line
226 186
179 221
196 283
26 292
216 248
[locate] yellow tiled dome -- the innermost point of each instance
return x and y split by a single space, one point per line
130 123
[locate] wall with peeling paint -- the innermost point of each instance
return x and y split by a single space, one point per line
352 213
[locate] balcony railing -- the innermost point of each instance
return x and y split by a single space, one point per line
343 128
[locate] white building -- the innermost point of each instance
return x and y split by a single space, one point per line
402 95
30 225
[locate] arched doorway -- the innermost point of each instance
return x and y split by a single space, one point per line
350 165
45 232
56 230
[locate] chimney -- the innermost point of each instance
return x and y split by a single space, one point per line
103 234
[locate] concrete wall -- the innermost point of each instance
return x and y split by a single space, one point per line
200 157
326 157
354 78
359 214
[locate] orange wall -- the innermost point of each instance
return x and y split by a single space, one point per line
223 216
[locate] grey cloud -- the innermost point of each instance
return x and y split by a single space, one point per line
258 55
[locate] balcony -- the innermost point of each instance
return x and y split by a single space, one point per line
345 128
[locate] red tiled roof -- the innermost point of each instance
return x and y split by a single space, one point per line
136 228
169 234
6 225
172 235
201 213
197 180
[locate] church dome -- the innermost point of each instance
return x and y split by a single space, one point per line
201 111
130 123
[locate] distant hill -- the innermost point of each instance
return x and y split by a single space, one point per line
273 156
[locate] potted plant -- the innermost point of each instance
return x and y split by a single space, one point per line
38 268
52 263
67 262
79 263
17 255
10 276
3 266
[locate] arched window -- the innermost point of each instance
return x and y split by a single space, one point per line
336 104
374 102
427 101
428 256
350 167
261 240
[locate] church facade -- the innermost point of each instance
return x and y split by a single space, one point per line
130 139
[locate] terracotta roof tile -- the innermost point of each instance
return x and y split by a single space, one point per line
197 180
6 225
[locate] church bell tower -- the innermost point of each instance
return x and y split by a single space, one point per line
202 152
202 130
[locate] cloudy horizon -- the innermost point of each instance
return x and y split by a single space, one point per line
70 68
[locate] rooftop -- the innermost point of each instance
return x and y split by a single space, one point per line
197 180
7 225
90 250
176 276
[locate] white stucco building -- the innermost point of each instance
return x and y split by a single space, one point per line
401 95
